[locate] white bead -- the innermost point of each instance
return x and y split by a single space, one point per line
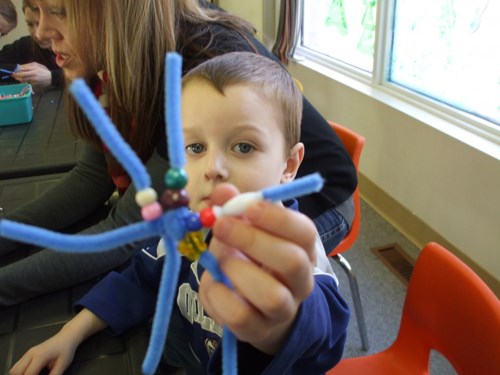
145 197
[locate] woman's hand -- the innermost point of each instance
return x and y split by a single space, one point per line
268 255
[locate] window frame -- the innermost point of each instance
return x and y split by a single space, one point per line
468 128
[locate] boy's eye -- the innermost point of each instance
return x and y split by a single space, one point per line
195 148
243 148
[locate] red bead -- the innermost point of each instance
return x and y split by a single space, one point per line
207 217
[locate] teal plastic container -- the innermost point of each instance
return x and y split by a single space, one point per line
16 109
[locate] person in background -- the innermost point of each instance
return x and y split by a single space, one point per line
248 136
8 17
118 47
37 62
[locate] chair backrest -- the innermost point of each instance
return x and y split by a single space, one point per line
448 308
353 142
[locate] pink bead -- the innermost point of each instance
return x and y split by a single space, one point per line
151 211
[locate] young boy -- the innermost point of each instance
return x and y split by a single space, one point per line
241 114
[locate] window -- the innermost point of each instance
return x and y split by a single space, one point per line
343 30
442 52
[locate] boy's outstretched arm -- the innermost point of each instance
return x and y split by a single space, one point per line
269 257
57 352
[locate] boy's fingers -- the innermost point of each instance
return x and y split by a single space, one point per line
282 222
289 263
279 223
236 313
222 193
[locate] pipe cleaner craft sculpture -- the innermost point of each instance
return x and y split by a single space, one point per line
169 218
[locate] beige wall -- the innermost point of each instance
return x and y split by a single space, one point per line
451 187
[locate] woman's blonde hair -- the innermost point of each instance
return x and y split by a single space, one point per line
129 39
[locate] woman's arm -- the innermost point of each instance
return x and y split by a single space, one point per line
80 193
57 352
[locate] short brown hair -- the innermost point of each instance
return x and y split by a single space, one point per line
262 73
8 11
30 4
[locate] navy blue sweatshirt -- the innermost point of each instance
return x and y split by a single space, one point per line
314 345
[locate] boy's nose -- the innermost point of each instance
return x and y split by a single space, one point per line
215 168
43 31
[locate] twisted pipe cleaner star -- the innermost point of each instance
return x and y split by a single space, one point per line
168 218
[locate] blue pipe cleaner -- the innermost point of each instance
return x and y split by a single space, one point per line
171 225
298 188
164 303
102 124
175 139
229 342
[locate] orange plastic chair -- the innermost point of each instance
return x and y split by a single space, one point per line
353 143
447 308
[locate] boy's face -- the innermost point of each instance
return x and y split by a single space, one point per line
32 19
236 137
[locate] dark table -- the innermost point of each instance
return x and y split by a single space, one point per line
33 157
44 146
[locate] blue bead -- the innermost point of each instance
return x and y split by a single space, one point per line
192 222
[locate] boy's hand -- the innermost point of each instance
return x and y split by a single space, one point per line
55 353
36 74
269 256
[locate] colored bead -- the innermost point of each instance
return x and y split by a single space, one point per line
174 199
145 197
176 178
192 246
207 217
151 211
192 222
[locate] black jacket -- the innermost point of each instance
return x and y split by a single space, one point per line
25 50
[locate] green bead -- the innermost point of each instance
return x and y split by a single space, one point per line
176 178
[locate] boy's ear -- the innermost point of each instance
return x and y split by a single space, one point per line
293 161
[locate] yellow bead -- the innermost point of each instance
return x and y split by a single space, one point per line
193 245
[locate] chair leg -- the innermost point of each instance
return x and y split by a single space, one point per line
353 282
